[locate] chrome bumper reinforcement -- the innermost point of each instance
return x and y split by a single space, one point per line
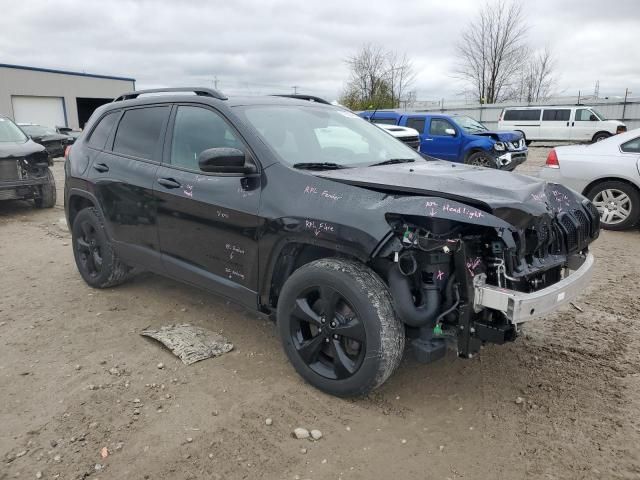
519 307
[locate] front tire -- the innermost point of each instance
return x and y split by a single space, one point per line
47 198
481 159
95 258
338 327
598 137
618 204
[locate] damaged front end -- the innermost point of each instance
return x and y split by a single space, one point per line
21 177
473 275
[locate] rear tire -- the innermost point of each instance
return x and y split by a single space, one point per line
618 204
481 159
338 327
95 258
598 137
47 198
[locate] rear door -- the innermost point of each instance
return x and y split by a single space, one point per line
555 124
123 174
207 223
584 125
440 144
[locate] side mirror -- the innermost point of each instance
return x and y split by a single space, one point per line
450 131
225 160
593 118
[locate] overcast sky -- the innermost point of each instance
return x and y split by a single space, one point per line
267 46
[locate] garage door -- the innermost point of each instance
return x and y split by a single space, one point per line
48 111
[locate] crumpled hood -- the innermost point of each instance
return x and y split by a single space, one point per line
513 197
501 136
18 150
54 137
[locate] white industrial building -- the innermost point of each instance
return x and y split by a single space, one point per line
56 97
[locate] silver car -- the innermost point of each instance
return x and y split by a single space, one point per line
607 172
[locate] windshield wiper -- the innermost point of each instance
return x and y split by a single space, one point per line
318 165
393 161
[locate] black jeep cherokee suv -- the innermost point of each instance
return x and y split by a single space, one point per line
353 241
24 167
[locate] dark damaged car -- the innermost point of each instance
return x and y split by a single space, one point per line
24 168
355 243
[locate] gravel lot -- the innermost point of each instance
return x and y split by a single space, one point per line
562 402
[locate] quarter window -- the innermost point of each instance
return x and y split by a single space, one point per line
438 126
632 146
139 132
102 131
417 123
197 129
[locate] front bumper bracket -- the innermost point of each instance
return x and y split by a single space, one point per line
519 307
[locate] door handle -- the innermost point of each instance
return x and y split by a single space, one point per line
428 139
573 124
567 124
101 167
169 183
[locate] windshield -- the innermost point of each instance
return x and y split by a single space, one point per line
314 134
469 125
38 130
598 114
9 132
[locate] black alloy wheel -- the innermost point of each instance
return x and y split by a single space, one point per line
327 333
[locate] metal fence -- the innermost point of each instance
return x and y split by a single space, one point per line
627 111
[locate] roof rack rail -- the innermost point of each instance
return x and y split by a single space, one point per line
203 92
300 96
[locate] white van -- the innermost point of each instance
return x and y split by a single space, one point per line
579 123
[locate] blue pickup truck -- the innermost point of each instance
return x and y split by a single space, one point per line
458 138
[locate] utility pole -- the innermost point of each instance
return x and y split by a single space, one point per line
596 90
295 89
624 105
215 82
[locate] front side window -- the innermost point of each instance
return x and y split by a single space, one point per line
197 129
101 133
417 123
139 132
469 125
632 146
439 126
9 132
319 134
585 115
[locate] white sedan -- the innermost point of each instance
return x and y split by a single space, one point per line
607 173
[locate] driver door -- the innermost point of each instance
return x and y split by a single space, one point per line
440 144
207 223
584 125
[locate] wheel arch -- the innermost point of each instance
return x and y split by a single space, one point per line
289 256
77 201
599 132
591 185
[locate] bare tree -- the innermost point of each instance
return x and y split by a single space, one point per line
492 49
538 77
378 79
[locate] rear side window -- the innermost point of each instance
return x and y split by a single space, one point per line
385 121
438 126
417 123
522 115
556 115
102 131
632 146
139 131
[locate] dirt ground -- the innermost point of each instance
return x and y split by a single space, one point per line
76 376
